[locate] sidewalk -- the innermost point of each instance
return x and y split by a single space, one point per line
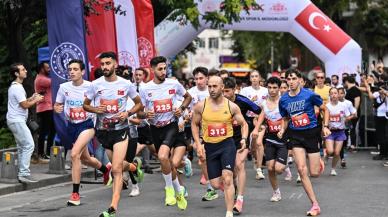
40 172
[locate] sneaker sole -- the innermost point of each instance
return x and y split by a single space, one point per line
73 203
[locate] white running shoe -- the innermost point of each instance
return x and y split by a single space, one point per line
259 174
135 191
276 196
333 172
288 174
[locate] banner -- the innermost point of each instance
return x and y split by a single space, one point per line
126 34
145 31
100 34
66 41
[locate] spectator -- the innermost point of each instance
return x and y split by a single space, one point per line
353 94
327 82
224 74
17 115
335 81
44 110
321 89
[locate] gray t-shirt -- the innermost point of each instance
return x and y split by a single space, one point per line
16 95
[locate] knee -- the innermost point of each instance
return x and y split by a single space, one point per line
75 156
271 169
302 170
314 174
163 158
329 152
176 163
279 170
116 169
228 180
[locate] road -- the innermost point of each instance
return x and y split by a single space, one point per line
361 190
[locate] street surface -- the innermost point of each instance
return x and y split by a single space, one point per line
361 190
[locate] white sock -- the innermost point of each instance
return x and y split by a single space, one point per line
240 197
277 191
209 186
258 170
229 214
168 180
177 186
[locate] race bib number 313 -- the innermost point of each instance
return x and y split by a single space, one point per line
301 120
216 130
112 106
163 106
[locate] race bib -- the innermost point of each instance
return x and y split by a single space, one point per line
77 114
216 130
335 118
112 106
300 120
163 106
274 126
109 123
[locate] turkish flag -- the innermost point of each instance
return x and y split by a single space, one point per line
322 28
145 31
100 35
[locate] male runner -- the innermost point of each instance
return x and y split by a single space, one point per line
297 109
215 115
110 94
160 98
245 105
70 98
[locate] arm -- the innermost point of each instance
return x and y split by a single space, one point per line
98 110
283 129
357 102
195 123
325 124
58 107
186 102
236 112
259 121
28 103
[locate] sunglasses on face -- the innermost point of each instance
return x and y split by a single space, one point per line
319 77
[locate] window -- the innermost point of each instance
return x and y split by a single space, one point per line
201 43
213 43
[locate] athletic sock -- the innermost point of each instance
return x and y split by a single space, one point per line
168 180
76 188
209 186
103 168
132 177
177 186
277 191
240 197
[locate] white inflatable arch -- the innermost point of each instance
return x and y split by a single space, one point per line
339 52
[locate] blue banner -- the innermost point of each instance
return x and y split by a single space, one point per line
66 35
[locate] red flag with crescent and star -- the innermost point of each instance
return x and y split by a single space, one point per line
322 28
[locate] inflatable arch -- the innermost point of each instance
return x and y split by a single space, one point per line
339 52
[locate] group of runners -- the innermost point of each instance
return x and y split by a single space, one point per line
279 121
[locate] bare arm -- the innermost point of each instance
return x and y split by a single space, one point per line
87 107
58 107
195 123
326 117
236 112
31 101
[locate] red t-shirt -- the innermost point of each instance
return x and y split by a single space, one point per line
43 87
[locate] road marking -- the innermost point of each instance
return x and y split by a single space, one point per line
292 195
300 195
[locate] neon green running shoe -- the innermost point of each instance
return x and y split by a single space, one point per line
170 196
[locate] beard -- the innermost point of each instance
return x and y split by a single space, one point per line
108 73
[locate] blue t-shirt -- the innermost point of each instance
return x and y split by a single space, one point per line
300 109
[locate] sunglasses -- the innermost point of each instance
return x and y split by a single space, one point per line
319 77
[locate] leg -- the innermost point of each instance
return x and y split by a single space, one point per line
329 146
272 174
241 173
118 156
336 157
315 165
227 177
79 147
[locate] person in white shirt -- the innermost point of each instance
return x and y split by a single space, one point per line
338 115
80 127
17 115
160 97
335 81
257 94
110 94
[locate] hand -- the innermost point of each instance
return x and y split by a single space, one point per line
37 97
181 126
178 112
150 114
101 109
243 143
255 133
281 133
201 152
58 108
326 132
122 116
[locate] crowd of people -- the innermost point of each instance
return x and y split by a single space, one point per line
277 121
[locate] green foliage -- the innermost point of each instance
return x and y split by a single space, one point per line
376 30
6 139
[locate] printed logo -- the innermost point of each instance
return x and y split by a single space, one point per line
127 59
145 51
278 8
172 91
120 92
61 57
149 94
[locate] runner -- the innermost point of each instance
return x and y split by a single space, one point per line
160 98
245 105
275 149
302 132
215 115
70 98
257 94
339 114
110 93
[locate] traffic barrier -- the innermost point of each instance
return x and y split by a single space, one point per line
57 160
9 168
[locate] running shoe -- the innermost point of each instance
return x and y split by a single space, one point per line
74 200
107 176
259 174
110 212
181 200
139 172
385 164
135 191
322 166
343 163
288 174
314 211
298 180
333 172
203 180
210 195
170 196
238 207
276 196
188 168
184 189
290 160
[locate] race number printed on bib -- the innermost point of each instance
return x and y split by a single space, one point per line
300 120
112 106
216 130
274 126
77 114
163 106
335 118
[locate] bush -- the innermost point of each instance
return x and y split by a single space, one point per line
6 138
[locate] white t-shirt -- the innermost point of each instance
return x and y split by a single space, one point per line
251 93
16 95
338 113
197 95
162 99
350 107
115 96
383 108
73 99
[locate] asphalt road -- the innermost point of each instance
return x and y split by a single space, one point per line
361 190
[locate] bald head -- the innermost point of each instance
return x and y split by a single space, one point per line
215 86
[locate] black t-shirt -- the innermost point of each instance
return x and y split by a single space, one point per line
351 94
